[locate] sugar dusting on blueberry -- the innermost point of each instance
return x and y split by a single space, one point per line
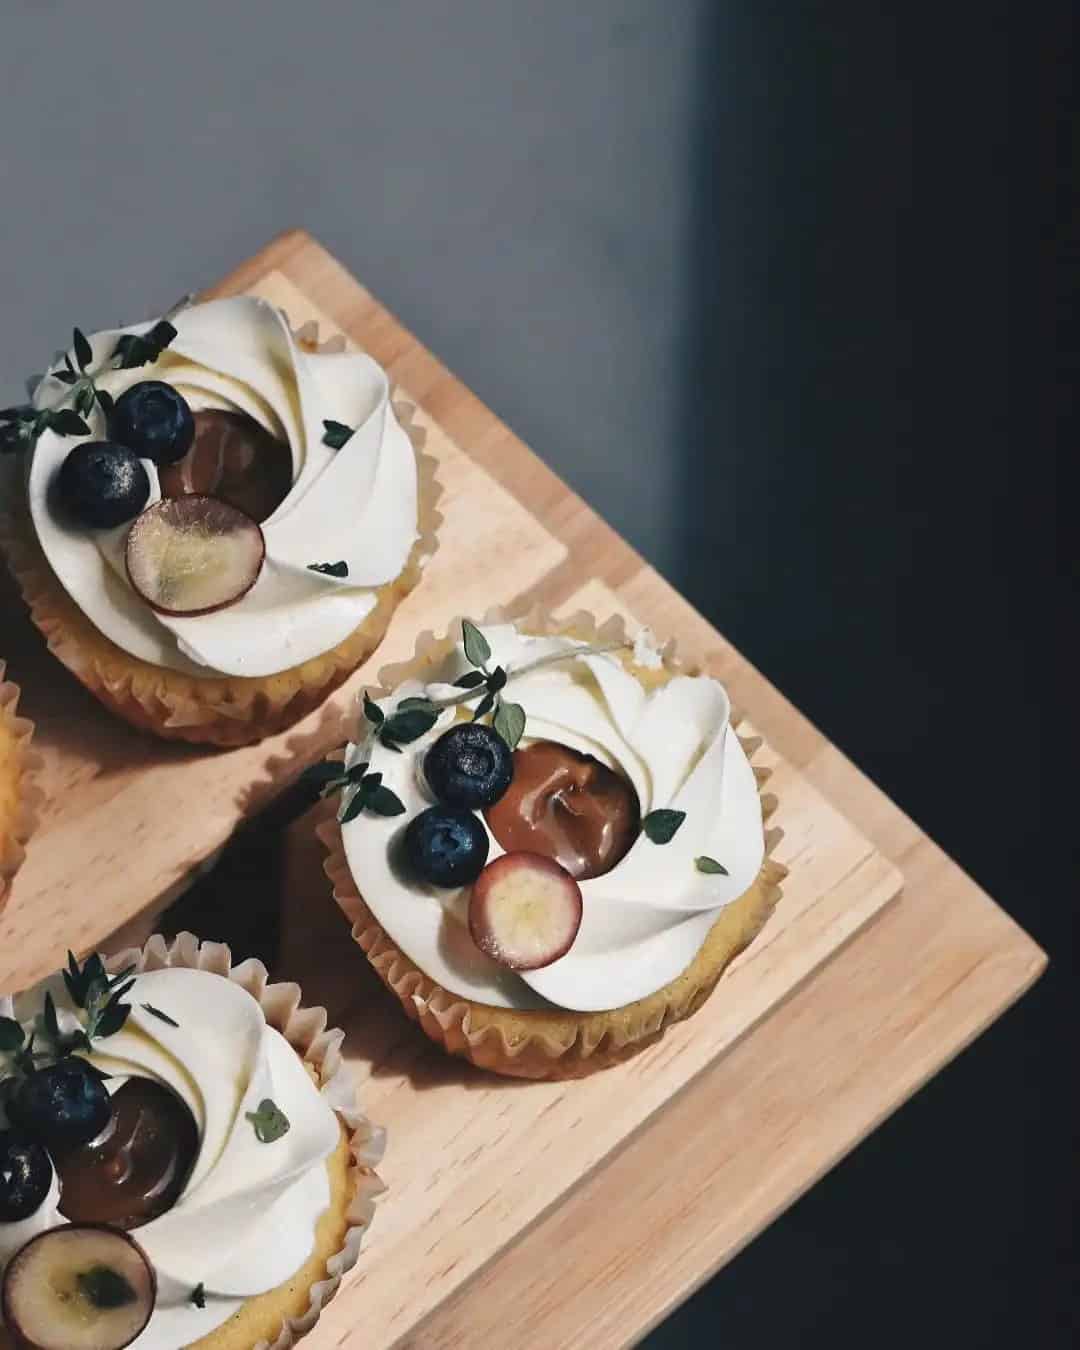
63 1104
25 1176
469 766
101 484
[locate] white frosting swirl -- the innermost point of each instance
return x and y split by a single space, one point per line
246 1219
645 920
357 504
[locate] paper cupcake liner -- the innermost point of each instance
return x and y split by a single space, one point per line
212 710
18 823
319 1046
554 1043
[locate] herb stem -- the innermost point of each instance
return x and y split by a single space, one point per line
513 672
111 363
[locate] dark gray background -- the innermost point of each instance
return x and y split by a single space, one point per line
760 281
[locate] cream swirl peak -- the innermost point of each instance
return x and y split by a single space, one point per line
356 504
246 1218
645 919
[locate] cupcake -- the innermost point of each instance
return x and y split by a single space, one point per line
219 518
565 851
182 1162
18 796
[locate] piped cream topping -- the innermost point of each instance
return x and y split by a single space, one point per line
645 920
246 1219
356 505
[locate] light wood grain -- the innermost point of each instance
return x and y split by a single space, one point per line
617 1236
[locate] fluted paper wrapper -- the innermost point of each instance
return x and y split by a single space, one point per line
19 823
212 710
319 1046
555 1043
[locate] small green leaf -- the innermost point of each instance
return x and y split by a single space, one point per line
94 972
352 807
661 826
161 336
472 679
73 978
198 1295
83 353
112 1019
336 433
161 1016
105 1288
372 711
131 351
11 1034
383 802
67 377
118 993
484 707
509 722
710 866
407 704
105 401
405 727
356 773
66 422
496 680
477 651
84 401
270 1121
335 569
121 976
52 1026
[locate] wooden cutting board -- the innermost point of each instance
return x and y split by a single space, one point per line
541 1215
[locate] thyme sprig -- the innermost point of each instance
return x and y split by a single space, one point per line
94 992
362 791
414 716
21 425
99 995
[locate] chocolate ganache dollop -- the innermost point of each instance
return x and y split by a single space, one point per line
568 806
136 1168
233 458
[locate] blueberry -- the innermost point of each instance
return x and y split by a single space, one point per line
470 765
25 1176
102 484
155 421
62 1105
446 846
